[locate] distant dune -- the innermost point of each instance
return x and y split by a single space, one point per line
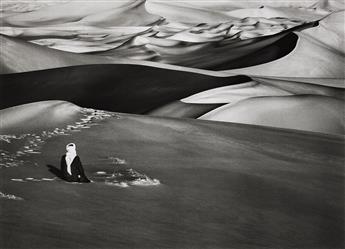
219 6
222 11
318 54
122 88
118 13
21 56
226 55
277 103
329 31
261 87
303 112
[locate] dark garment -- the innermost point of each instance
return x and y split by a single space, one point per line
77 170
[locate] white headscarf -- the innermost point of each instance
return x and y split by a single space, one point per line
70 155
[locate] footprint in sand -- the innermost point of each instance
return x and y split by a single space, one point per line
10 197
17 180
31 179
125 178
34 142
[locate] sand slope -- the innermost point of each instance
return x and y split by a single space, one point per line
329 32
221 184
278 103
227 53
179 109
303 112
38 116
100 27
317 55
234 5
71 13
203 11
39 57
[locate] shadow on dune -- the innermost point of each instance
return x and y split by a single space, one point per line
225 54
272 52
55 171
179 109
122 88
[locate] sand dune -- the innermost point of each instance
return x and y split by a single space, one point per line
75 27
329 32
256 42
235 93
20 6
182 47
77 39
247 40
331 5
40 57
302 112
253 52
38 116
189 50
37 57
277 103
118 13
202 11
245 181
104 87
317 55
179 109
262 87
90 29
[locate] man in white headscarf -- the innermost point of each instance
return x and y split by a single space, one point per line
71 167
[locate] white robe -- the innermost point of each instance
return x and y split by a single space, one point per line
70 155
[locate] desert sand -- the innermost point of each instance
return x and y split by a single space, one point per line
242 185
302 112
52 114
201 124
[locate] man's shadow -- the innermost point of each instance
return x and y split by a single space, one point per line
56 171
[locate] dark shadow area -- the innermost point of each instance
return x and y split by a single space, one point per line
179 109
124 88
272 52
55 171
226 54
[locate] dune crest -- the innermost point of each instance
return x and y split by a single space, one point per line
330 32
40 57
26 128
262 87
315 56
116 13
41 115
331 5
200 11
